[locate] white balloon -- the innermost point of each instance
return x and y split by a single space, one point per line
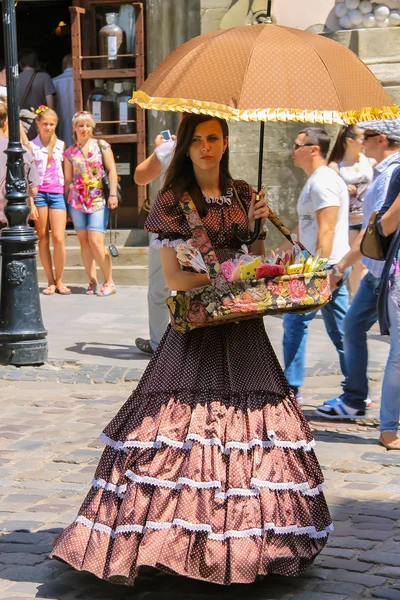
340 9
352 4
381 12
355 17
394 18
345 22
365 7
369 20
382 23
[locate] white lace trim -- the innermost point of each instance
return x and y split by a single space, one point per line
255 485
194 437
109 487
156 243
311 531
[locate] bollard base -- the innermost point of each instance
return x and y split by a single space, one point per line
30 352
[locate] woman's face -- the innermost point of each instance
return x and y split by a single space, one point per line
47 126
83 130
358 141
208 145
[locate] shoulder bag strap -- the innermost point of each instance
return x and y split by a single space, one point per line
102 156
202 241
28 88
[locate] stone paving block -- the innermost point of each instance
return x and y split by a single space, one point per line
328 562
391 572
22 559
317 596
351 590
14 548
338 552
351 542
28 574
24 587
14 525
376 557
390 594
365 579
381 458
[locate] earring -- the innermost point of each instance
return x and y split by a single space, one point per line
187 153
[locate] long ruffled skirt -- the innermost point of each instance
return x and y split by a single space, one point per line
208 471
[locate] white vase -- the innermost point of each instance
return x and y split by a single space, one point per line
369 20
352 4
381 12
365 7
345 22
382 23
340 10
355 17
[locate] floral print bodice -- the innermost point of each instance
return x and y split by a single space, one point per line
167 219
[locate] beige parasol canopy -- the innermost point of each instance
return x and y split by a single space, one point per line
266 73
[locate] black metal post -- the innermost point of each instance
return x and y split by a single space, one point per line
22 334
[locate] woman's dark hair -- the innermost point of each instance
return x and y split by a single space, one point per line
180 174
339 149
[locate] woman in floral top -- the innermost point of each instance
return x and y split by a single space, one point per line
86 201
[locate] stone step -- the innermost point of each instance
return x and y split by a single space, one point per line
122 275
127 256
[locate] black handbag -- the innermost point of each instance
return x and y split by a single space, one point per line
105 180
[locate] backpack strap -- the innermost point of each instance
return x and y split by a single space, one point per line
28 89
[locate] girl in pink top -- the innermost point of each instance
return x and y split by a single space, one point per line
48 153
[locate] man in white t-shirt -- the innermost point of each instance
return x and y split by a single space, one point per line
155 166
323 209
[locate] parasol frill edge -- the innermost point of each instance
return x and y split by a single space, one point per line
273 115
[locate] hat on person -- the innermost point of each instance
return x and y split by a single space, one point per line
389 127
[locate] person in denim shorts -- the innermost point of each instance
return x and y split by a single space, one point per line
50 212
87 204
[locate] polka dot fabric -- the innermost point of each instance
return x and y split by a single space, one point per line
209 469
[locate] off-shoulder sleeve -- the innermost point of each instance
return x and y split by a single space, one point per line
244 191
167 220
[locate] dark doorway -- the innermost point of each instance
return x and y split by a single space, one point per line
38 28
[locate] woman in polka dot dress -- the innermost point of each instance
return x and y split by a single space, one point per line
209 469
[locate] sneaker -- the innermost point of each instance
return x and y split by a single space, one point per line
144 346
368 401
339 411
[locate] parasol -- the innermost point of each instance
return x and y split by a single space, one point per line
266 73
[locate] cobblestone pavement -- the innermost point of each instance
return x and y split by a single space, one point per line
48 452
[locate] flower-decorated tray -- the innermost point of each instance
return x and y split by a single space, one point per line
248 299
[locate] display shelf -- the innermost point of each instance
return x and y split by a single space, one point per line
109 74
118 138
85 18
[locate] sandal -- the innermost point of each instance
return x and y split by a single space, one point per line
107 289
392 444
49 290
92 288
63 290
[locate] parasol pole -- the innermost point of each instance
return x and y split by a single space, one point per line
257 224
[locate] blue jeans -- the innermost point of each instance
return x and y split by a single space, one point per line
95 221
390 402
359 320
295 331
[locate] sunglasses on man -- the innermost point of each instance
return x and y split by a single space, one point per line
297 146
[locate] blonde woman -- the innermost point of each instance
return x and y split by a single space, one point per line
87 203
50 208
